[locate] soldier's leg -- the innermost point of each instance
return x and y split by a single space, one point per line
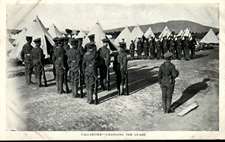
169 97
54 71
57 81
66 81
44 76
61 78
39 73
164 90
27 74
108 79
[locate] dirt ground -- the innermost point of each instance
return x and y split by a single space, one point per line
43 109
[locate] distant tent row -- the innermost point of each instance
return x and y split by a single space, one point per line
38 30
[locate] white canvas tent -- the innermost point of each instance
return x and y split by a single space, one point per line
81 34
125 34
9 46
187 32
136 33
165 33
36 30
19 42
99 35
149 33
181 33
55 32
210 37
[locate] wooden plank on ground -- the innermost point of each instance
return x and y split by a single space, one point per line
188 109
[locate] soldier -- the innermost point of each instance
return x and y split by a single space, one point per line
152 47
66 48
179 47
74 66
164 45
37 57
27 59
172 46
104 62
81 51
146 48
186 49
59 60
167 74
192 44
123 41
139 47
158 48
56 39
90 70
132 49
122 64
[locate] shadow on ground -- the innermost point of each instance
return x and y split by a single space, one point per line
190 92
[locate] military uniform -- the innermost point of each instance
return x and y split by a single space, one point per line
104 62
74 66
26 57
59 61
37 57
122 65
90 71
172 47
66 48
186 49
158 49
164 45
81 52
139 48
192 47
167 74
179 48
146 48
152 48
132 49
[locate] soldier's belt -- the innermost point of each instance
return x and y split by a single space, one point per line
27 54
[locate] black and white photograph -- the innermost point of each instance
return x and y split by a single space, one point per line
108 67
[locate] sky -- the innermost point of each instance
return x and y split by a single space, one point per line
84 16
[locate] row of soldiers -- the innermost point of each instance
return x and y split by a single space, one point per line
155 48
78 65
84 65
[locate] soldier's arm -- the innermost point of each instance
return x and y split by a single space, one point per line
175 72
160 74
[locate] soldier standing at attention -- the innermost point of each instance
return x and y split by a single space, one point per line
152 48
179 47
104 62
139 48
58 58
81 51
146 48
66 48
158 48
132 49
90 70
123 77
172 46
74 66
37 56
186 49
192 46
56 40
164 45
123 41
27 59
167 75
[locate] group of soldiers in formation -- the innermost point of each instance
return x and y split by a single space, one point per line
155 48
78 65
81 65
